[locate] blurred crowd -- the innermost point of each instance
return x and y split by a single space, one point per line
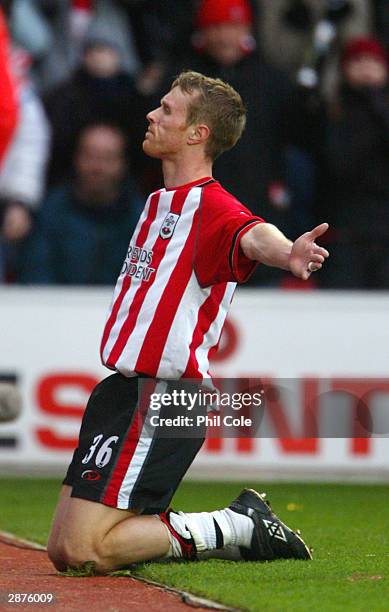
77 78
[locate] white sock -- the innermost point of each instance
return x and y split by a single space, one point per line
236 529
208 530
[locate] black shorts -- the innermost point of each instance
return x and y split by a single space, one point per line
120 461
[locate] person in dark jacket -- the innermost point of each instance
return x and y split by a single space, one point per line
98 90
82 229
355 152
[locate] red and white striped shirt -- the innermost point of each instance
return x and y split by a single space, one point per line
177 282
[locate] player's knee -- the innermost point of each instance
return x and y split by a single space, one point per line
78 556
55 557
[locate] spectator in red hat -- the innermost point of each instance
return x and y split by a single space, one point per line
365 63
224 30
354 138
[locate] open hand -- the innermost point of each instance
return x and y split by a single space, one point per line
306 256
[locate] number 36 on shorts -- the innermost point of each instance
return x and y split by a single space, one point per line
104 452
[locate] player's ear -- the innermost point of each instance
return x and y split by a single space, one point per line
198 134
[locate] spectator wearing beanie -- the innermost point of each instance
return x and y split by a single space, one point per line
224 47
100 89
355 155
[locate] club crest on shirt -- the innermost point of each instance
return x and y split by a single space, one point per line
168 226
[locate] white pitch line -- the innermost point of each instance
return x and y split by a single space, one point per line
10 538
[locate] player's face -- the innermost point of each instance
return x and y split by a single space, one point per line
168 132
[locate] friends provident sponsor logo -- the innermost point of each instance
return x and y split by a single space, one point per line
137 263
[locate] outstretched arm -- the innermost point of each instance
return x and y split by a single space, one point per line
266 244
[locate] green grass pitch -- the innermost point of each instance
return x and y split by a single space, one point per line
347 525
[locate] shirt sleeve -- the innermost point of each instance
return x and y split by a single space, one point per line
218 257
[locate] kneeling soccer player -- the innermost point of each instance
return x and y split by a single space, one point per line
193 243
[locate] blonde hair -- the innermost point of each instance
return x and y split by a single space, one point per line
217 105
